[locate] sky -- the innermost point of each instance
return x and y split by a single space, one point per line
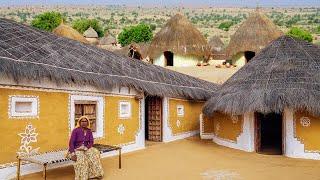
168 3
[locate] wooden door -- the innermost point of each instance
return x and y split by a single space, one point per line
154 119
257 127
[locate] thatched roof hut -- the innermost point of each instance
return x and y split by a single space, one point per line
68 32
108 39
29 53
286 74
90 33
254 33
215 44
180 37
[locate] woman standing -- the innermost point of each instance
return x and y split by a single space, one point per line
87 158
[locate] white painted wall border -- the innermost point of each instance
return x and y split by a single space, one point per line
245 141
168 136
293 147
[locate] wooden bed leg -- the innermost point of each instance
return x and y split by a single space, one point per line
18 168
44 171
120 158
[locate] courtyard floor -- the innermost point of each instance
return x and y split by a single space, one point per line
193 158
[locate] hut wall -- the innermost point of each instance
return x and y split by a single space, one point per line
206 127
233 133
92 40
52 125
239 59
179 124
302 135
178 61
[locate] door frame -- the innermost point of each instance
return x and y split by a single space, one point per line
256 133
161 116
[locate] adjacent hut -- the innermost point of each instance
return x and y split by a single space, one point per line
68 32
254 34
108 40
91 35
272 104
48 82
178 43
216 48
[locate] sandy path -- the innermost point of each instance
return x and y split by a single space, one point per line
198 159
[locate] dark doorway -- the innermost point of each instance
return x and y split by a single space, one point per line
168 55
249 55
268 135
153 119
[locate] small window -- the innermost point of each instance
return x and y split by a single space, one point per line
124 109
23 107
90 106
180 110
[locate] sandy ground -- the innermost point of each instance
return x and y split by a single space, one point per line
208 73
193 158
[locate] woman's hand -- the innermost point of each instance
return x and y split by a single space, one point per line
74 158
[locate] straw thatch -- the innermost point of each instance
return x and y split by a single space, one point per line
253 34
142 48
284 74
90 33
68 32
29 53
108 40
215 44
180 37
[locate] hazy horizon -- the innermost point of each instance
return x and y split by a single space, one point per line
185 3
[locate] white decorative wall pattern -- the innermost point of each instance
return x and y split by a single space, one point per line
305 121
217 129
121 129
178 123
234 119
27 137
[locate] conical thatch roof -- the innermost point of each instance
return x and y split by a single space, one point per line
108 40
215 44
68 32
90 33
180 37
29 53
256 32
284 74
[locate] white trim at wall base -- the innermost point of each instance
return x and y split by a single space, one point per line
293 147
181 136
207 136
245 141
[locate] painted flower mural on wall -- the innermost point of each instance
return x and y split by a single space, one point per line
27 137
305 121
121 129
234 119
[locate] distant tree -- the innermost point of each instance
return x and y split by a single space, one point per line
300 33
225 25
153 27
139 33
47 21
81 25
318 29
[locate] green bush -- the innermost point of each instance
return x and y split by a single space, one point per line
139 33
47 21
318 29
81 25
225 25
300 34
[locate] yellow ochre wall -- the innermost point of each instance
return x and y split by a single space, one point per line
190 120
226 126
308 133
207 125
52 125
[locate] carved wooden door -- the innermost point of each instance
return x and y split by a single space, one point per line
154 119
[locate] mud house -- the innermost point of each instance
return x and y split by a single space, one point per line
48 82
272 104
